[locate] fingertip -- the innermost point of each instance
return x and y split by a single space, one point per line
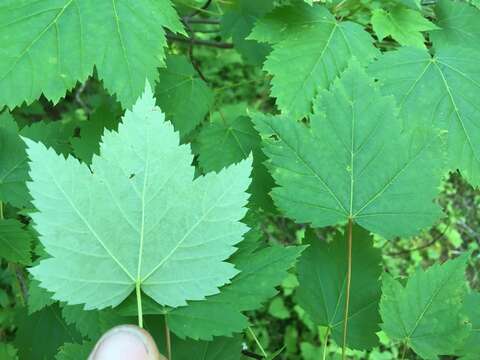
126 342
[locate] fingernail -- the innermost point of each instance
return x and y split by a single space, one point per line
125 342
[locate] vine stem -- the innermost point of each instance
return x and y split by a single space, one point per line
257 342
168 341
347 291
325 341
139 304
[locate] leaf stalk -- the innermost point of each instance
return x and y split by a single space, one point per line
347 291
139 303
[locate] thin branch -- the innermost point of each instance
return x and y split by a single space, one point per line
421 247
216 44
201 9
200 20
190 52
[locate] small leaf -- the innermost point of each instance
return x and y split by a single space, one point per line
107 230
93 323
39 335
13 164
182 95
402 24
322 275
15 242
232 129
70 351
38 297
426 312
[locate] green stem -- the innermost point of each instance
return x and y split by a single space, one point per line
325 342
168 342
139 304
1 210
257 342
404 352
347 291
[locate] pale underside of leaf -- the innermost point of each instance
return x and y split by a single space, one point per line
138 219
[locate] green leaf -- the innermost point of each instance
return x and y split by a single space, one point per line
13 164
38 297
426 312
345 165
54 134
221 314
218 349
237 22
8 352
175 233
48 46
231 129
314 63
459 23
39 335
322 277
71 351
93 323
182 95
106 116
471 347
15 242
441 91
402 24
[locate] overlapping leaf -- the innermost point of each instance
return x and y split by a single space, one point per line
440 90
182 95
402 24
301 66
39 335
47 46
459 25
354 161
15 242
322 278
13 164
232 131
137 218
426 312
237 22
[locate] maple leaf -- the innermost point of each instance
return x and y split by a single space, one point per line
48 46
450 81
315 64
322 277
354 161
136 218
426 311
